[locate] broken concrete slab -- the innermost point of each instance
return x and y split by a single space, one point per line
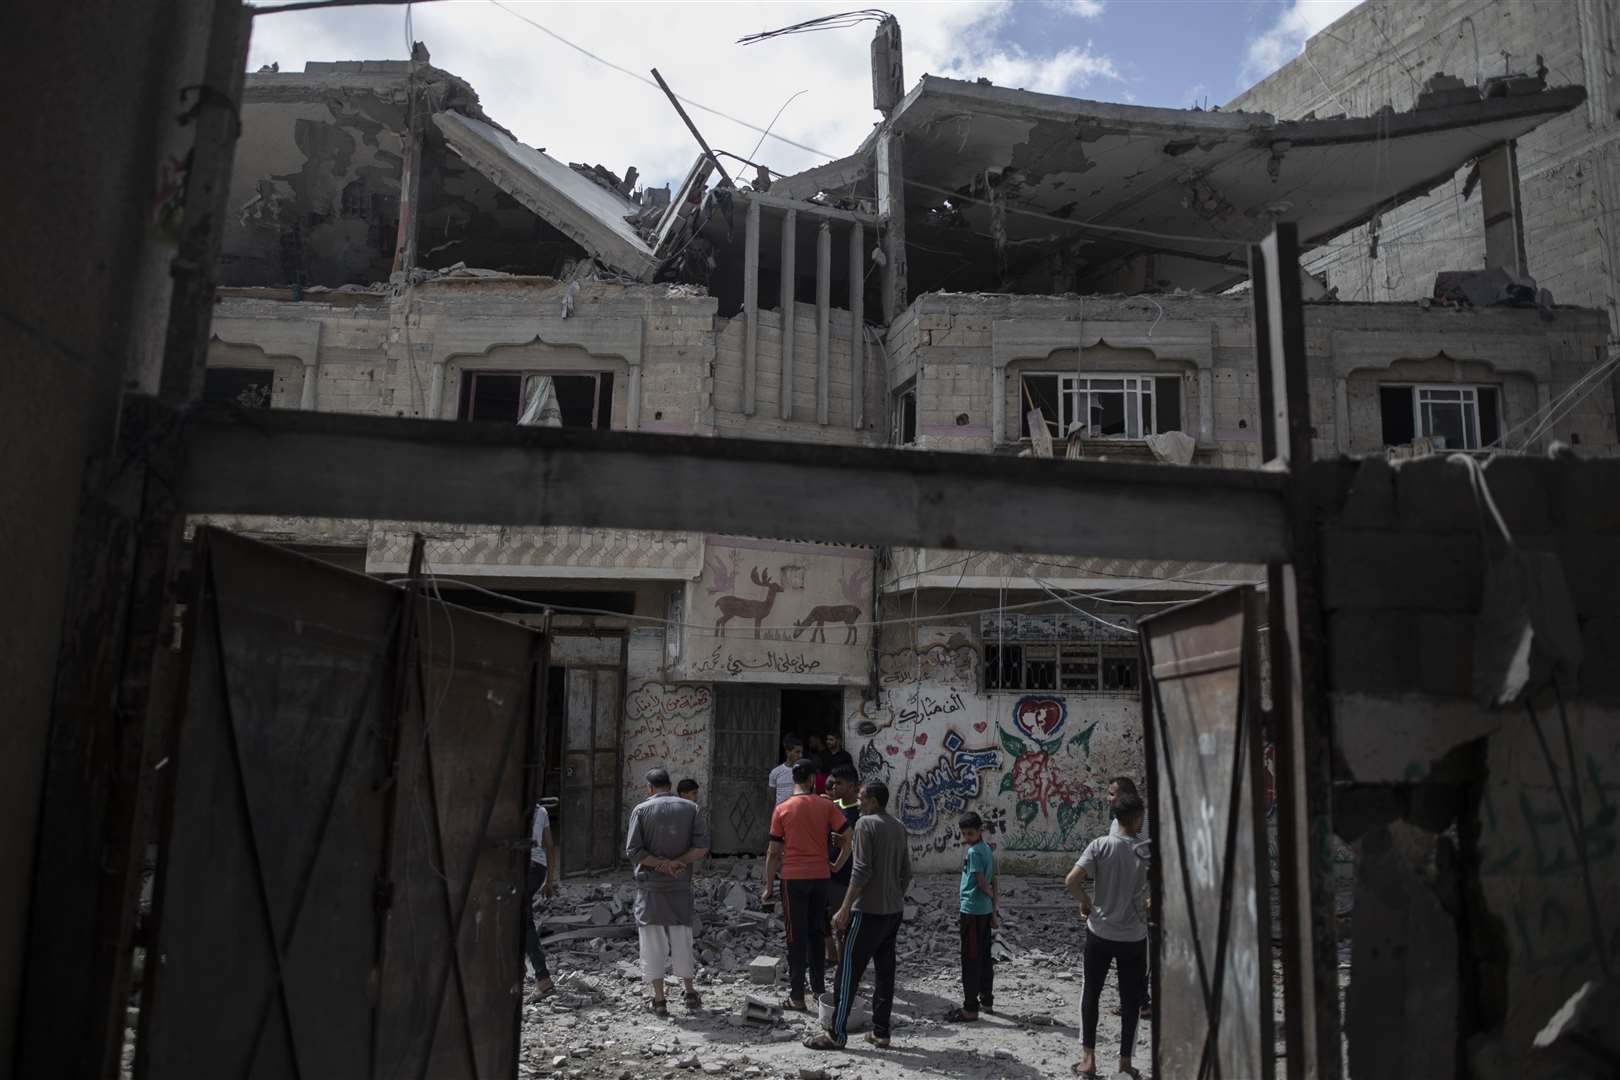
591 215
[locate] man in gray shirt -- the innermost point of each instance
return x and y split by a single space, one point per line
872 910
667 835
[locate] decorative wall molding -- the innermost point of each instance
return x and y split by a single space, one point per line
297 338
1519 354
607 338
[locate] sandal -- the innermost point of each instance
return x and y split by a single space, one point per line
961 1016
877 1041
822 1042
659 1007
692 999
1089 1074
794 1004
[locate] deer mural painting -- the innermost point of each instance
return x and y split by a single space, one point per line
834 613
734 607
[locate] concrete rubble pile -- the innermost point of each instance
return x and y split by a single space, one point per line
595 1023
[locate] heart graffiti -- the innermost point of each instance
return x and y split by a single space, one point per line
1041 717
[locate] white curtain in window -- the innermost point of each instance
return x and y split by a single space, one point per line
540 407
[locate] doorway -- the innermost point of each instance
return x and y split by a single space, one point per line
811 715
750 723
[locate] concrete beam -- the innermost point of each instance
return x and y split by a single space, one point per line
278 462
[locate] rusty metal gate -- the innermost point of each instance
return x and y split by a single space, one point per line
1201 718
747 733
339 891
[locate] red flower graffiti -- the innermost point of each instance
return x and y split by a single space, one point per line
1039 785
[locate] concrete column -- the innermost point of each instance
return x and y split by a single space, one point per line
857 325
891 194
823 321
1341 414
435 389
750 308
789 264
998 402
632 396
307 401
1499 199
1206 407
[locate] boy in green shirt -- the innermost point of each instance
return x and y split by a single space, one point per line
978 908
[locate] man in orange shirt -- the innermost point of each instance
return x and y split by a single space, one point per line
800 826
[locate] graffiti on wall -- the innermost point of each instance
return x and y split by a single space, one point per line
924 800
1049 795
944 656
914 705
667 725
948 835
763 610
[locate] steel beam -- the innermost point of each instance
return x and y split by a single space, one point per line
289 462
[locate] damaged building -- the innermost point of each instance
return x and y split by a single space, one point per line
1035 275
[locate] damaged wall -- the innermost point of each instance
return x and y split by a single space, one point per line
1569 167
947 343
315 189
1470 912
1035 765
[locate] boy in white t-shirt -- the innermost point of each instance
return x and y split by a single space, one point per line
781 778
1115 930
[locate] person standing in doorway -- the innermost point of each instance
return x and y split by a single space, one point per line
870 917
542 865
800 827
781 778
667 835
1115 931
977 917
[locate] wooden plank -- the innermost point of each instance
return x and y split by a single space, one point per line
823 318
750 308
788 264
857 315
280 462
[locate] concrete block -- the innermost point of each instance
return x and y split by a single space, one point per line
763 970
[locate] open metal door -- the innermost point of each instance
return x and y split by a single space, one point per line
747 730
1201 717
340 864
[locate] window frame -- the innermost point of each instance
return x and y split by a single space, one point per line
1076 667
1069 392
469 393
1468 401
897 422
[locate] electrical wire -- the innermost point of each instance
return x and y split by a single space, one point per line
840 21
764 132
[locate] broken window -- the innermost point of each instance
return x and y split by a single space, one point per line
1455 417
1068 667
1103 406
542 398
248 387
904 431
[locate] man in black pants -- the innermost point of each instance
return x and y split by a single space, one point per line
1115 930
801 825
871 913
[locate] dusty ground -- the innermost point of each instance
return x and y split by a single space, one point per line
596 1026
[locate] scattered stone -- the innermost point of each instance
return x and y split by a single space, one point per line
762 969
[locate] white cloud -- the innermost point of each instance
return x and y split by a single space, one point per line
579 110
1085 9
1285 38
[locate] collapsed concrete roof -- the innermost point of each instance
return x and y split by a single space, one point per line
588 213
999 181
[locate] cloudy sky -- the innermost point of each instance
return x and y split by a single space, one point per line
1171 53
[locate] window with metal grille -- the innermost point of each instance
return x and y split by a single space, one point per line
1103 406
1068 667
